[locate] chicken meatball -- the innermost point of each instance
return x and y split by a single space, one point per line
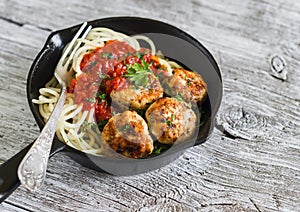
127 133
170 120
189 85
137 97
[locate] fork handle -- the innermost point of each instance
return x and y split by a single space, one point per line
9 180
32 169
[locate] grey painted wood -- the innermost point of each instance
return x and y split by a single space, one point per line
251 162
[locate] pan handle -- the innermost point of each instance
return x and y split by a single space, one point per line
9 180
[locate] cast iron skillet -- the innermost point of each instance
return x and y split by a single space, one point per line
173 42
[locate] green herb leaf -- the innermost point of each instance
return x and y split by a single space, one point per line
124 127
159 150
139 73
92 64
188 82
179 97
145 64
172 117
138 55
90 100
101 124
169 123
102 76
101 96
107 55
86 126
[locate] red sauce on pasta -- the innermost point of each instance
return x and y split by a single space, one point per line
103 71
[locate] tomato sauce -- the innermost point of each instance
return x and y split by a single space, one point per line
95 64
103 71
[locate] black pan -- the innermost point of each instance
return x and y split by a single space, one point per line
174 43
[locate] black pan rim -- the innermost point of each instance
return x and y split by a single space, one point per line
107 19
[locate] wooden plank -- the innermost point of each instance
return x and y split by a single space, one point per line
251 162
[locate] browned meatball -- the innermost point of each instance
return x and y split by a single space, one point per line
137 97
188 84
127 133
170 120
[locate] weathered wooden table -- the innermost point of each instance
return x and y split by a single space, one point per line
251 162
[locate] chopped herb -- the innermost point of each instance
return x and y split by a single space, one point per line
92 64
172 117
188 82
95 83
139 73
138 55
179 97
150 123
169 123
103 76
124 127
102 96
127 55
101 124
145 64
107 55
158 150
141 112
90 100
86 126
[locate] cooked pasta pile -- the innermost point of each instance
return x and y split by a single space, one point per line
77 127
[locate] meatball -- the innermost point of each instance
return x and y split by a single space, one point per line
189 85
127 133
170 120
137 97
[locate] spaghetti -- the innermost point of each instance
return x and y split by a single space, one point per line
77 126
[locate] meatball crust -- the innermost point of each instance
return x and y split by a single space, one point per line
137 97
127 133
189 85
170 120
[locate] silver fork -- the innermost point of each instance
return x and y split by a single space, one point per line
32 169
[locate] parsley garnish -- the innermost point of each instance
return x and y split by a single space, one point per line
139 73
169 123
150 123
90 100
102 76
92 64
102 96
124 127
179 97
172 117
86 126
107 55
159 150
101 124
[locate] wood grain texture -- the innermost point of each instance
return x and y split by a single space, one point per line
252 160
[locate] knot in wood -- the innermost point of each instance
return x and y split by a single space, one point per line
278 67
242 123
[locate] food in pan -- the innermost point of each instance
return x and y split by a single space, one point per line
171 120
190 85
123 97
127 133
